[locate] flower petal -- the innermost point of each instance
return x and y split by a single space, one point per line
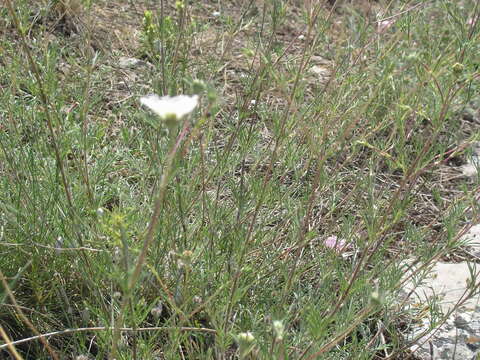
336 244
168 106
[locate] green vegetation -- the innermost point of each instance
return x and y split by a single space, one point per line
275 220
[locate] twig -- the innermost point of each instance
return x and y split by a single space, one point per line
81 248
106 328
25 319
404 11
9 344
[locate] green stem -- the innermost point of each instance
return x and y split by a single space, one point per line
152 225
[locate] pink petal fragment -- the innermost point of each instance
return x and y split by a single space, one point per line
336 244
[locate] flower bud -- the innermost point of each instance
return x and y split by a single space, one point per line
245 343
198 86
100 212
278 329
458 68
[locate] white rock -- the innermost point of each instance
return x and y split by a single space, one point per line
448 282
129 63
456 339
320 71
472 240
470 169
459 337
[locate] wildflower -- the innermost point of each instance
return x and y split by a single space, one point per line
301 37
336 244
171 109
216 13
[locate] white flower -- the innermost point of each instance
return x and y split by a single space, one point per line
216 13
170 107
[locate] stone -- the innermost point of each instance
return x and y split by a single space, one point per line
447 282
320 71
129 63
459 337
470 169
471 115
472 241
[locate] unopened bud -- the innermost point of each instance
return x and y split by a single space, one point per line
375 298
180 5
457 68
245 344
246 337
198 86
278 329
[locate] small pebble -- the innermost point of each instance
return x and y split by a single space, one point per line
129 63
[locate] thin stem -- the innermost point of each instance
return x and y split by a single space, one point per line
162 48
359 319
45 101
9 344
25 319
158 206
84 119
108 328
